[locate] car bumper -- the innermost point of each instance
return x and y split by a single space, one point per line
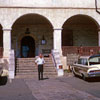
94 74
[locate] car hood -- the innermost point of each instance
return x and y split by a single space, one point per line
95 67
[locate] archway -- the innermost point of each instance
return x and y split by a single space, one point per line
35 26
80 30
80 36
27 47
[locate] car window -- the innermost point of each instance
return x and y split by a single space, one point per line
95 60
82 61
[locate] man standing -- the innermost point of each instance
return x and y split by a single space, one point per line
40 63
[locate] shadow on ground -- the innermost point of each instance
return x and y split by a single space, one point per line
96 79
45 78
3 80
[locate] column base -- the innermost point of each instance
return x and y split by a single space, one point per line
6 53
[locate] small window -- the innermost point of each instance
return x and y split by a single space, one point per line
95 60
82 61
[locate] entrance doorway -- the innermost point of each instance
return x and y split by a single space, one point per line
27 47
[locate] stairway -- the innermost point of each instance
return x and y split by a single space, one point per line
26 68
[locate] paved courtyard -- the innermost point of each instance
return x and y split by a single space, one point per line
48 89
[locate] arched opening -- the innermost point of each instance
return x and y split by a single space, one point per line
27 47
36 26
79 31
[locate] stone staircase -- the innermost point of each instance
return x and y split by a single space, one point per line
26 68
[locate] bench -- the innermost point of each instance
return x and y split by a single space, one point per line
46 52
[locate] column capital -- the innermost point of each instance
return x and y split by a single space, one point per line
58 28
7 29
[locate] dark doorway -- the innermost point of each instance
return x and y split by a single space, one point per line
27 47
67 37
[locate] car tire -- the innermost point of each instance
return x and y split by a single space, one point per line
84 78
3 80
74 73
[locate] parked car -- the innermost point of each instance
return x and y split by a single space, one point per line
3 75
3 72
87 67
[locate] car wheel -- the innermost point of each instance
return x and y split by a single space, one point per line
3 80
74 73
83 77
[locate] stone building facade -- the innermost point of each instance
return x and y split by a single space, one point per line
59 22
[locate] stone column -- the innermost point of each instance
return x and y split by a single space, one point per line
57 40
6 42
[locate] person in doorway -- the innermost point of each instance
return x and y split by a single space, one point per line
40 63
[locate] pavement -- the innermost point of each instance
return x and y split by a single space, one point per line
47 89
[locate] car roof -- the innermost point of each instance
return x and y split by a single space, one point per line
98 55
89 57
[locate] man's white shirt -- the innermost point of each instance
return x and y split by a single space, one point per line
40 61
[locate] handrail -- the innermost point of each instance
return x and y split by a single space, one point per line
53 59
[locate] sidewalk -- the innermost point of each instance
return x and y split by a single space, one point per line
55 89
17 90
48 89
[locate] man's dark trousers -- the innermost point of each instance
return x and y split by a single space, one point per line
40 72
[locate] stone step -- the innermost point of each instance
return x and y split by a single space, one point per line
32 59
36 73
32 64
29 71
35 76
49 61
34 68
26 67
47 66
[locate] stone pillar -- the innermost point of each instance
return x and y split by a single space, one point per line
57 40
6 42
99 37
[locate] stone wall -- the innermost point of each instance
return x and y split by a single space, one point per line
56 11
57 17
49 3
85 38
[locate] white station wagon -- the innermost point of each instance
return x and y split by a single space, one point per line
87 67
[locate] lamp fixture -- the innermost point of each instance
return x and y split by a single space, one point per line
27 31
43 41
